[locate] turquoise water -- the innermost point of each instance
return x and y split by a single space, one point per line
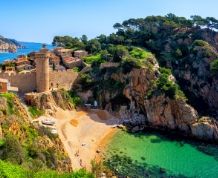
161 155
29 47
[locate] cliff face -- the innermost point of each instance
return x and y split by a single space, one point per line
165 113
8 45
147 97
192 59
187 46
50 101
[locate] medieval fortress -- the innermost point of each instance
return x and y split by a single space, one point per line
43 77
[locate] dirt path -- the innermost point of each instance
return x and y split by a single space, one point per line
82 132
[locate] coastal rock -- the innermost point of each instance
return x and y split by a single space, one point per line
138 108
8 45
205 128
49 101
165 113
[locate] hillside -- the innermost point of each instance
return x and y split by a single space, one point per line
123 70
26 149
8 45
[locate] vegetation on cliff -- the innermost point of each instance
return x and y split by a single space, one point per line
166 85
214 66
35 112
187 46
27 150
162 64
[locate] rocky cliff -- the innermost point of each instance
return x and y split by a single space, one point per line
163 112
8 45
50 101
188 47
145 96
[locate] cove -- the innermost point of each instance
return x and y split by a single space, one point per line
145 154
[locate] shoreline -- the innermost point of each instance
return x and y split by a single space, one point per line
104 142
85 134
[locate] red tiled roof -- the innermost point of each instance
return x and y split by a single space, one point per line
70 59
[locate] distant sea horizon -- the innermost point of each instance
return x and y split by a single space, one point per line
28 48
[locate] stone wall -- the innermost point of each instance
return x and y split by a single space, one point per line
64 79
26 82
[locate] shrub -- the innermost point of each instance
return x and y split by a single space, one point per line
75 99
94 59
82 173
119 52
200 43
128 65
7 170
139 53
32 134
10 102
169 87
76 69
35 112
166 86
12 150
2 143
85 79
106 56
214 66
178 53
203 48
96 168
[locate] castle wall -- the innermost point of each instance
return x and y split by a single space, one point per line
63 79
26 82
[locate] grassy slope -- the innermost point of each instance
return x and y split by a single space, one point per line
26 151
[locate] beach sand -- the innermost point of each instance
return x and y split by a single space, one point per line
84 134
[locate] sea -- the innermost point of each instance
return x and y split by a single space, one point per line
28 47
153 154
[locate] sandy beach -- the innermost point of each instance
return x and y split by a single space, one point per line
84 134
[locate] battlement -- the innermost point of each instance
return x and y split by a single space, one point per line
6 75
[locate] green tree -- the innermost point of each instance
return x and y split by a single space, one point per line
93 46
214 66
198 20
118 52
68 42
84 39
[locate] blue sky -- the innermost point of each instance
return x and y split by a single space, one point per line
41 20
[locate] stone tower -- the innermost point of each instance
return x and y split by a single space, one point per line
42 70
